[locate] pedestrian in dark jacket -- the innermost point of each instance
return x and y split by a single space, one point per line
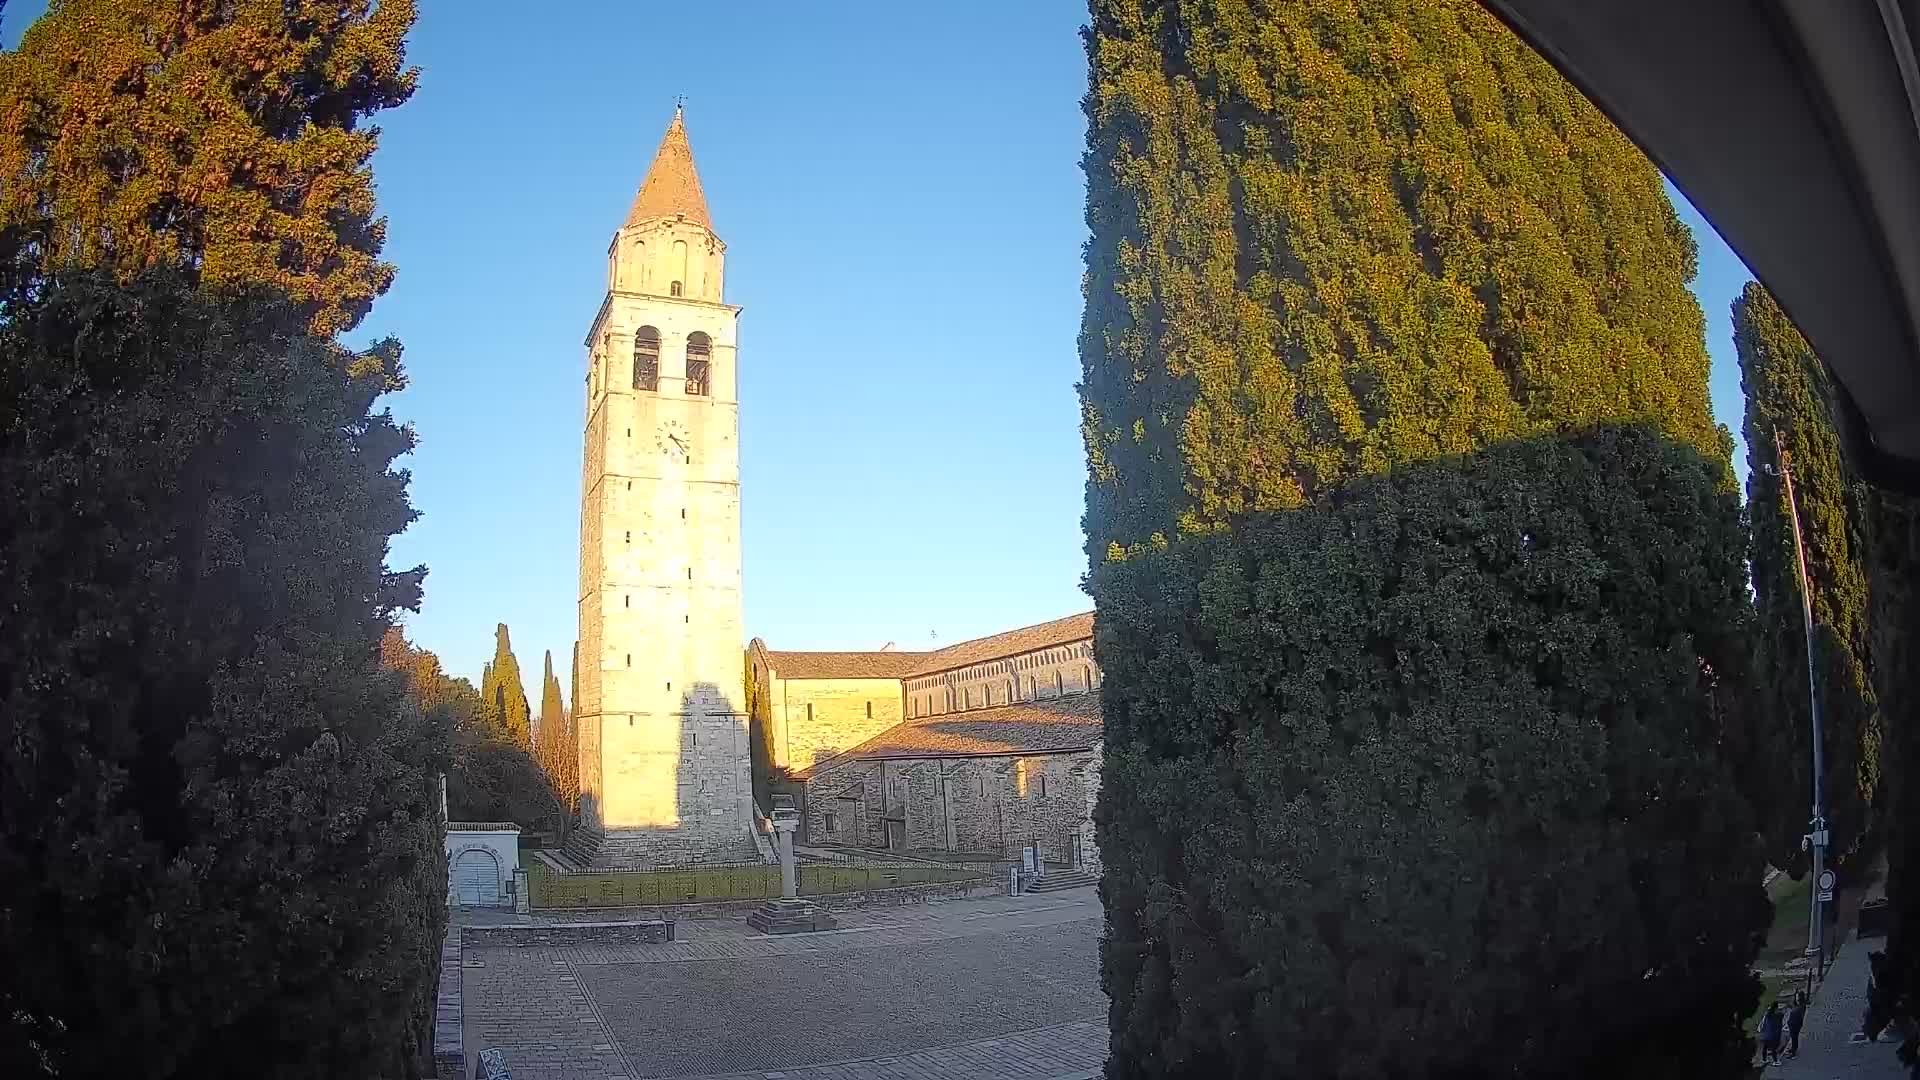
1796 1017
1770 1034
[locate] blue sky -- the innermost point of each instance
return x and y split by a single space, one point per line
903 220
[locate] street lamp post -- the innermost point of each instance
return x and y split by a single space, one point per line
1815 841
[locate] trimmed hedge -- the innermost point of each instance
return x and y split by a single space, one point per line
1428 778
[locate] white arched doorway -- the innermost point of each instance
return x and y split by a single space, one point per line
476 878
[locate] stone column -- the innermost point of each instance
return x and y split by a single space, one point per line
783 840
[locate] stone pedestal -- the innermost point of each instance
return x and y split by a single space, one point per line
790 916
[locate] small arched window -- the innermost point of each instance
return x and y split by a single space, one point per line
1009 691
1086 676
673 289
1059 685
646 359
949 699
1030 688
699 364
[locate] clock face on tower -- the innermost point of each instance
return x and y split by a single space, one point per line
673 442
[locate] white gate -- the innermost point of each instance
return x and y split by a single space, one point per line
476 879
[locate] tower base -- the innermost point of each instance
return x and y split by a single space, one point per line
662 849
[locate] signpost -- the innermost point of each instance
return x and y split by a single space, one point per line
1826 887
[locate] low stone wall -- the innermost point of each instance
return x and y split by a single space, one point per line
513 935
449 1026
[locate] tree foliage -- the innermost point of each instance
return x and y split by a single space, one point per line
1331 238
221 844
1788 393
570 788
555 747
489 777
1426 780
228 138
1895 607
503 697
1355 269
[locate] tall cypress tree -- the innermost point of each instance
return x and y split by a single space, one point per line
1369 278
221 148
1895 619
1328 239
189 700
1788 394
228 139
552 734
503 696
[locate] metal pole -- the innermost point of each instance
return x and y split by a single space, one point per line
1816 840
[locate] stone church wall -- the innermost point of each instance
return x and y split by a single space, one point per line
814 719
990 805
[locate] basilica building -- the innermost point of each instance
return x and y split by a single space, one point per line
980 748
984 747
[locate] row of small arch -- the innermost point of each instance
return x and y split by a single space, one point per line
1018 663
963 700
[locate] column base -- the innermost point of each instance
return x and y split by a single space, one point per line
795 916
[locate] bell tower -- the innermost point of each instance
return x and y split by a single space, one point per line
664 749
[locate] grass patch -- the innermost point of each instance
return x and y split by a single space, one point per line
1787 935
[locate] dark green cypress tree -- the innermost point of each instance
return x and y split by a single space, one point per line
504 696
1788 395
1344 258
221 841
552 734
1895 531
1331 238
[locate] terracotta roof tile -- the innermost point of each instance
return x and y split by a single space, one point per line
1057 724
903 665
672 185
842 665
1012 642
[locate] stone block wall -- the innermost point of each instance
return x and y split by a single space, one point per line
990 804
814 719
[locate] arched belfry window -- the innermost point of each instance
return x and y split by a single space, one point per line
646 359
699 364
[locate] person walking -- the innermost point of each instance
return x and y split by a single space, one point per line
1770 1034
1796 1018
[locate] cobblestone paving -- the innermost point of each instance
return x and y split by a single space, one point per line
529 1002
1827 1051
985 988
1066 1052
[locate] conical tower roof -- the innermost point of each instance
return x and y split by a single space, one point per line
672 185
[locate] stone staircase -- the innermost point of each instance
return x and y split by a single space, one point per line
1056 880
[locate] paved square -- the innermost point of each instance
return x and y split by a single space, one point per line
984 988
